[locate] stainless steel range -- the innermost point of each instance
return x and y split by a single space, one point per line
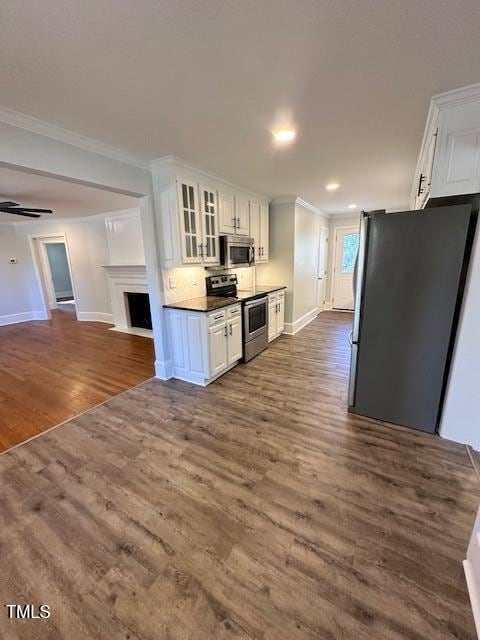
254 310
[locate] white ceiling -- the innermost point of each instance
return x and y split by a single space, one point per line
66 199
204 80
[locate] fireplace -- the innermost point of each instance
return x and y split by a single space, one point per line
139 310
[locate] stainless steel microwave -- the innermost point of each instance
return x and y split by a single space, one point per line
236 251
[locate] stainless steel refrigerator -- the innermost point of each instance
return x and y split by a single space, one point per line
410 277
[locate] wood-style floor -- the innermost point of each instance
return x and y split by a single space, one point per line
53 370
256 508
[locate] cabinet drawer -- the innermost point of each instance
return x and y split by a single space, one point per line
234 312
272 299
281 294
217 317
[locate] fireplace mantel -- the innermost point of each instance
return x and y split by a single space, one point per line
123 279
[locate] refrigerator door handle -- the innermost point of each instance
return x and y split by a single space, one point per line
350 338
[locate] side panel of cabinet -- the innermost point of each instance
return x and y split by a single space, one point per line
281 315
218 349
255 227
196 338
234 333
226 211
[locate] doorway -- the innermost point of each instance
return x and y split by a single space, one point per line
345 253
54 270
322 268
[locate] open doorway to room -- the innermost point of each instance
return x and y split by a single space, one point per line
75 318
53 264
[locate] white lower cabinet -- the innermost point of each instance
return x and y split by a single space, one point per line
205 345
276 314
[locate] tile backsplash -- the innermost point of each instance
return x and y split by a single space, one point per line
189 282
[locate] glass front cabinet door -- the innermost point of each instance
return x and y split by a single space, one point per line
189 221
209 209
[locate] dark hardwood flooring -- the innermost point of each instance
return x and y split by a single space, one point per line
256 508
53 370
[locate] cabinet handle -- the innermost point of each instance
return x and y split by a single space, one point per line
234 220
263 251
218 317
225 331
421 180
231 330
200 250
238 223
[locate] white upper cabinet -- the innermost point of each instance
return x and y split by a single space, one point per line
226 211
209 214
189 221
449 161
259 229
242 225
193 209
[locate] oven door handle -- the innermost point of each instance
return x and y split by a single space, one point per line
257 301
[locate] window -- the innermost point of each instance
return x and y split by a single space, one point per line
350 248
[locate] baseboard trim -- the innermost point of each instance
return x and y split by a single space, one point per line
94 316
25 316
163 369
327 306
473 593
291 328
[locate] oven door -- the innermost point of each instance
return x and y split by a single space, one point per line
255 318
239 255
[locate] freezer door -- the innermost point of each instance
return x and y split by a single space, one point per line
412 274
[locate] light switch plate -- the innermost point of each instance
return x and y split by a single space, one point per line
171 282
13 261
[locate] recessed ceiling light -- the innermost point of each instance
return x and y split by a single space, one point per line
284 135
332 186
352 206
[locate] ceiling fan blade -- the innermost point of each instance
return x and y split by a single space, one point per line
9 204
13 209
15 212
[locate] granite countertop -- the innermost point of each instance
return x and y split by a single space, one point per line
205 303
210 303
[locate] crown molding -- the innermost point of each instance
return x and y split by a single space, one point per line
457 97
160 163
295 200
34 125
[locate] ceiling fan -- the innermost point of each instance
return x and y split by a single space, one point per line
15 208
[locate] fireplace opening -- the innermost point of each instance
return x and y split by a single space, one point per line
139 310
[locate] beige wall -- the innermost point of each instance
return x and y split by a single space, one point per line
307 237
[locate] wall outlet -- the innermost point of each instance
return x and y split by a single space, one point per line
171 282
13 261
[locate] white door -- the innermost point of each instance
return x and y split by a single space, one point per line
264 231
234 334
272 318
322 268
226 212
241 213
346 247
209 212
217 339
281 314
255 227
189 221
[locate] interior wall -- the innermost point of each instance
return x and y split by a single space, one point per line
348 220
15 299
280 268
87 247
460 421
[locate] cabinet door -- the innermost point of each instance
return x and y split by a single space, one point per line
264 228
209 212
242 216
255 228
189 221
226 212
281 315
272 318
217 339
234 335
